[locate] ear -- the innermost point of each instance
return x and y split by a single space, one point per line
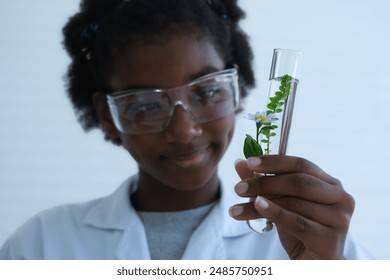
104 115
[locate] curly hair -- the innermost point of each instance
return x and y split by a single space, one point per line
101 28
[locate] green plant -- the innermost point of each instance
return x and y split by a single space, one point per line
265 121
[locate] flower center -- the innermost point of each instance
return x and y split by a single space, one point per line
260 118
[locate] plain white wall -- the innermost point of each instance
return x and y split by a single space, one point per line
341 119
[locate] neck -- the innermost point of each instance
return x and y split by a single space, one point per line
156 196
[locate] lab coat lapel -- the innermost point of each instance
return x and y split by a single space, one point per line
133 245
116 214
207 242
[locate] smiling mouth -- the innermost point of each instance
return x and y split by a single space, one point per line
188 160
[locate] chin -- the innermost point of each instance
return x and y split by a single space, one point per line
192 179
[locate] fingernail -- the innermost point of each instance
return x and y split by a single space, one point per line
241 188
258 174
254 161
236 210
261 202
237 161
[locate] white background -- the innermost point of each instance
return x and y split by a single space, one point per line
341 120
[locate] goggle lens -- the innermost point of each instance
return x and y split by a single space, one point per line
145 111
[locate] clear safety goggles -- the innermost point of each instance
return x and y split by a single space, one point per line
206 99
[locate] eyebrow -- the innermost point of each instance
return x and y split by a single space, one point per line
204 71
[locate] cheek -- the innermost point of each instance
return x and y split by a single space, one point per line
139 147
222 130
145 148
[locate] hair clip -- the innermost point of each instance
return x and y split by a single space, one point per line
221 14
87 53
224 17
89 31
87 35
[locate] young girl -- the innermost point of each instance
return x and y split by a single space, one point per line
164 79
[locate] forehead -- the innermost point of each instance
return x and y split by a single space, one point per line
163 63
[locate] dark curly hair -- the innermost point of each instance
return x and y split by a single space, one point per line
101 28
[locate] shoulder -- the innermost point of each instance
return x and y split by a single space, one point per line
37 234
72 231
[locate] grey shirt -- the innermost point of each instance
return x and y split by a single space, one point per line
168 233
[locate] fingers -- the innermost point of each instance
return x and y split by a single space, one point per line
294 176
303 238
283 218
293 185
244 211
277 164
290 222
297 186
242 169
310 208
319 213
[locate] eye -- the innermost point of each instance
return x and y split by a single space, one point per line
207 94
145 106
142 110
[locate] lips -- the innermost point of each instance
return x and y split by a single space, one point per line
187 158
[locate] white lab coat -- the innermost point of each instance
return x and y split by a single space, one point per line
110 228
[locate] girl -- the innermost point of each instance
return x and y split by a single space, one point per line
164 78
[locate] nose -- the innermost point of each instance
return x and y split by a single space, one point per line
182 128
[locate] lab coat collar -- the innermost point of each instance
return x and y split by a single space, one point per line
115 212
216 227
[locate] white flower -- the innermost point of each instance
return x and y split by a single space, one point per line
260 117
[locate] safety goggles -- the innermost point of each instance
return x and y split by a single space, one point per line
206 99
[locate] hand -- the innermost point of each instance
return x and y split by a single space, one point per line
310 209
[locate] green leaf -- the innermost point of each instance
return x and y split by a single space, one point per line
271 107
266 133
266 128
279 93
251 147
